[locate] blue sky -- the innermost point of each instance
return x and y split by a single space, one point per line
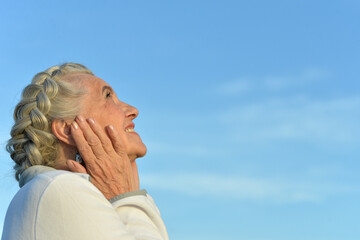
249 109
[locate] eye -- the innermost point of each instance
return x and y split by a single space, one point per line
108 94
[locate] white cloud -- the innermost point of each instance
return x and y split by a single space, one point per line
193 150
246 188
292 114
279 82
235 87
270 83
296 118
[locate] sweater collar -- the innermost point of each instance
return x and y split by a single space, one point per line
32 172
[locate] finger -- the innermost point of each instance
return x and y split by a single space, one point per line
92 140
75 167
117 140
82 145
120 148
100 133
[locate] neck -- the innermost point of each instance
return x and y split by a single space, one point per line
66 152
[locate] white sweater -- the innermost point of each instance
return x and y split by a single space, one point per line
53 204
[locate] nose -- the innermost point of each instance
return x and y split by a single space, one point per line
131 112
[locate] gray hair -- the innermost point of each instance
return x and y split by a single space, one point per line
48 97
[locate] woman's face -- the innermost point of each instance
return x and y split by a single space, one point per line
101 103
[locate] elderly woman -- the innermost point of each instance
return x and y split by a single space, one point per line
74 148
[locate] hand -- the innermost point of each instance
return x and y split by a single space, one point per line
105 158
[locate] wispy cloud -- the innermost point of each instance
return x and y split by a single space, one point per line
247 188
270 83
166 148
293 112
240 86
296 118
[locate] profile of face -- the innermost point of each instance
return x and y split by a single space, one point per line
101 103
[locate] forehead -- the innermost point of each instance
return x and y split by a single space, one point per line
89 82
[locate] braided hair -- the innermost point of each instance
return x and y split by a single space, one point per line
48 97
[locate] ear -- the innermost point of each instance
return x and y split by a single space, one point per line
62 130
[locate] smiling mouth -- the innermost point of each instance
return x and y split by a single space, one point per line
129 130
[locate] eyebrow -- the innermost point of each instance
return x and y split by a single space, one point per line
107 88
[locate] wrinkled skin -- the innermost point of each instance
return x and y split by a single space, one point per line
104 136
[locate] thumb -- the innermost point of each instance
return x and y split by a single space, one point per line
75 166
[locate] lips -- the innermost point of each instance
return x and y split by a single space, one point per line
130 128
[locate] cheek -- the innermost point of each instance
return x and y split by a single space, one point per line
106 114
111 114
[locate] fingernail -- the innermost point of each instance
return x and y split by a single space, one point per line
111 127
80 118
74 124
90 120
70 163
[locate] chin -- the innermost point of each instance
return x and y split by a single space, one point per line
142 151
137 152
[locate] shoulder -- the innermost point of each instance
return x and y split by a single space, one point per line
64 205
48 199
53 189
57 182
51 179
45 178
64 189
